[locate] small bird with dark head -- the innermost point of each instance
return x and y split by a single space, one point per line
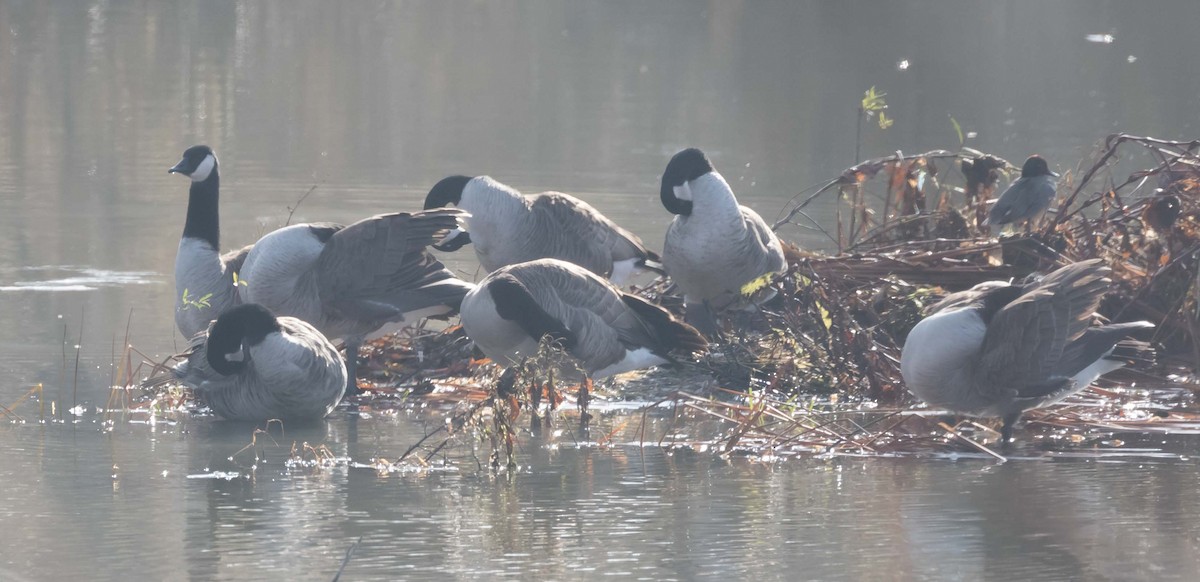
1027 198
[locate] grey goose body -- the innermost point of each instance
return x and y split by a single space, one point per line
254 366
507 227
607 330
353 281
713 246
999 349
204 286
1027 198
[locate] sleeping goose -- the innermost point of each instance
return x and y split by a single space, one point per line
1027 198
352 281
508 227
204 286
608 331
999 349
254 366
714 247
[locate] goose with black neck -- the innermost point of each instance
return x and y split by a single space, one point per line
204 278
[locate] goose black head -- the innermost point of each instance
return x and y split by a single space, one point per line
1034 166
446 192
198 163
235 330
684 167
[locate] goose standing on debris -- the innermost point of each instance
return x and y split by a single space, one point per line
608 331
204 285
715 249
351 281
1000 349
508 227
1026 199
254 366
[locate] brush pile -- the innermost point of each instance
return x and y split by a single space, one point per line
904 236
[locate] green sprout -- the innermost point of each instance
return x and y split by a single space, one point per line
872 103
957 129
199 304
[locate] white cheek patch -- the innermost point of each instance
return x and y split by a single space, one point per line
238 356
452 235
683 191
204 169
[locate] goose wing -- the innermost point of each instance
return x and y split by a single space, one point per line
233 260
576 232
603 322
762 243
378 268
1026 338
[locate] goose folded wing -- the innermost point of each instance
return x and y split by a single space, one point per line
378 268
1023 348
591 237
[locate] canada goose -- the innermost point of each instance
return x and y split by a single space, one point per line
254 366
714 247
351 281
204 286
1000 349
607 330
508 227
1027 198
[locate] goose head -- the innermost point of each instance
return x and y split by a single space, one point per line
683 168
1035 166
235 330
198 163
449 191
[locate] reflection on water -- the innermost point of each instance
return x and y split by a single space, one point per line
127 504
373 103
69 278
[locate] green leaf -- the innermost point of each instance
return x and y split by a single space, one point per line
957 128
885 121
873 101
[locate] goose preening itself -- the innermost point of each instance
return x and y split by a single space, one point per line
204 285
1027 198
715 248
373 276
999 349
254 366
608 331
507 227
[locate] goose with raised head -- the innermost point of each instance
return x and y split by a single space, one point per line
371 277
999 349
1027 198
715 249
204 284
507 227
254 366
607 330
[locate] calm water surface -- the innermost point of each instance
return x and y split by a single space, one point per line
373 102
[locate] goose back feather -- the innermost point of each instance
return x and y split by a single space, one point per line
508 227
607 330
